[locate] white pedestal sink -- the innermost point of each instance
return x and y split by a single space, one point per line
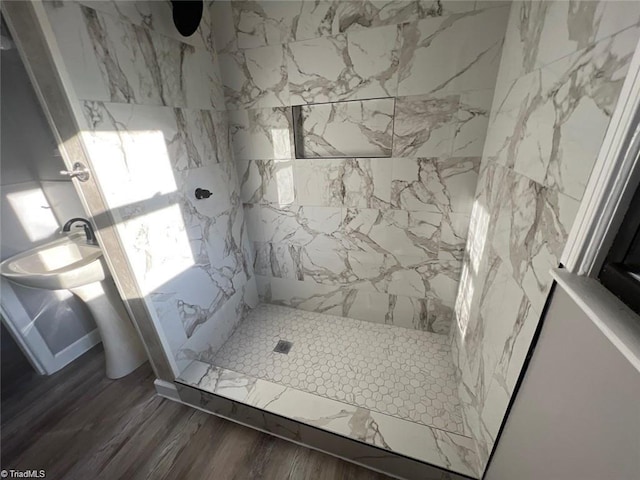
70 263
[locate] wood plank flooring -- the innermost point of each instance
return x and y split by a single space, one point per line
77 424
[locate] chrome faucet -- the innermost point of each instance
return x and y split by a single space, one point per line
88 229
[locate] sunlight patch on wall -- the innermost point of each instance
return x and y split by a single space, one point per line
158 246
284 185
34 213
477 238
462 307
136 174
476 241
132 166
281 141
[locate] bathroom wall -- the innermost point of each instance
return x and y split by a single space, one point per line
561 72
378 239
150 104
35 203
575 430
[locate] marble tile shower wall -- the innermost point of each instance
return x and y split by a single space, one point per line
378 239
561 72
156 128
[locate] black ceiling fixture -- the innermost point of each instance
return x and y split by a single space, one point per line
187 15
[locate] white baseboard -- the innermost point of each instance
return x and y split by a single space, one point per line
167 390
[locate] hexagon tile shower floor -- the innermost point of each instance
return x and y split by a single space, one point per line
396 371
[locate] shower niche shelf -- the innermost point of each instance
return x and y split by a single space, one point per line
356 128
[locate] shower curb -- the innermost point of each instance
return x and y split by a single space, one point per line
354 451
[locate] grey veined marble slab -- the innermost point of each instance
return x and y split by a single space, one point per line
361 128
435 447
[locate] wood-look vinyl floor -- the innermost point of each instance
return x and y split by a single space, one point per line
77 424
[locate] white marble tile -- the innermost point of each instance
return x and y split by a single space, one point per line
354 16
348 269
320 264
261 134
367 306
352 269
330 17
109 59
584 88
448 450
301 225
503 298
165 123
279 260
253 221
360 128
223 26
361 64
472 122
126 142
315 20
157 243
496 403
200 77
526 20
416 275
482 4
425 126
201 137
540 33
374 58
433 184
564 149
453 236
267 181
306 295
156 16
255 78
410 312
536 279
189 257
215 328
433 282
350 16
193 305
259 24
509 97
466 48
536 162
515 348
396 232
353 182
220 179
356 301
517 219
557 216
264 287
218 241
177 139
553 108
68 24
571 27
527 148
